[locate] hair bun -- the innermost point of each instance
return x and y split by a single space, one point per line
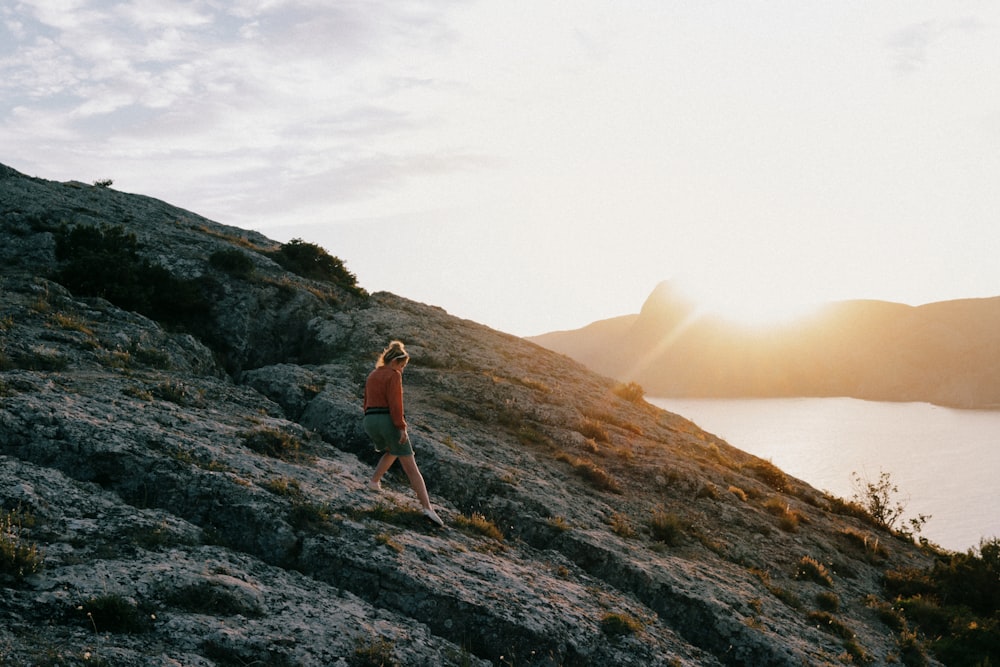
396 350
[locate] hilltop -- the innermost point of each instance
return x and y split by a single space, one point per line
943 353
183 475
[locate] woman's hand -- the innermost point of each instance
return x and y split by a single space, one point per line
404 436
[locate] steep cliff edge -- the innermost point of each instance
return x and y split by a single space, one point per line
190 488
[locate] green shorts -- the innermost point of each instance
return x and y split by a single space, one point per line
385 435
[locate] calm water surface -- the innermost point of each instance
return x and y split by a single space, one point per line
945 462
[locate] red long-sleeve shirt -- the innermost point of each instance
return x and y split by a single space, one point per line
384 389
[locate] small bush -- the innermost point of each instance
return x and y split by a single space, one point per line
770 474
631 392
788 520
18 557
284 486
878 498
828 623
620 625
560 524
591 428
373 653
105 262
828 601
71 323
479 524
738 492
274 443
387 540
667 528
232 261
593 473
621 526
708 490
178 392
810 569
955 603
309 516
309 260
869 544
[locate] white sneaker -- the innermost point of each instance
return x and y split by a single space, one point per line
432 515
374 486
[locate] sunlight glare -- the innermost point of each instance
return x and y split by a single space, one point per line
747 304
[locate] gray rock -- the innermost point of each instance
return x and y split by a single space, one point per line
208 482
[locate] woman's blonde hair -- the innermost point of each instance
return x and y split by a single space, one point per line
396 350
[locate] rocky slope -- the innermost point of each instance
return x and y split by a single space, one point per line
190 489
944 353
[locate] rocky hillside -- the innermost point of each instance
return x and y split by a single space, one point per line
946 353
183 478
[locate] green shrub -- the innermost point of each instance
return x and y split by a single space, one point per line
105 262
955 603
232 261
313 262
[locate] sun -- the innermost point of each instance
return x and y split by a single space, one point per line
748 304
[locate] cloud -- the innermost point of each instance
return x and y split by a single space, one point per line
911 45
308 88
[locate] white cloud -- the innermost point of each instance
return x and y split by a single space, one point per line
699 130
912 44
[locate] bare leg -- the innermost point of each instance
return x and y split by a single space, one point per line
384 464
409 464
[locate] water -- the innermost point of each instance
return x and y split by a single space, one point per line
945 462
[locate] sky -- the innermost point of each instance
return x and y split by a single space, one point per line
537 165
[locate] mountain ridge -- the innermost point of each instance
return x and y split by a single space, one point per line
944 353
192 489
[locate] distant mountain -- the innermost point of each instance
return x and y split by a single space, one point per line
947 353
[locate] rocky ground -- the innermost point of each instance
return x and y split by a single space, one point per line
194 492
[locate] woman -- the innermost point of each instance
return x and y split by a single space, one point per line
386 426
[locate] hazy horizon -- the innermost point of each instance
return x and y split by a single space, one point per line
537 169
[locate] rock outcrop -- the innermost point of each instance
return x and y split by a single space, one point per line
192 490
